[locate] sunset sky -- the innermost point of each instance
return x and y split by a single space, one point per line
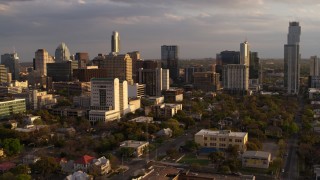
201 28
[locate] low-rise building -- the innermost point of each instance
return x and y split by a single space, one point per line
82 101
166 132
103 116
221 139
37 99
9 107
256 159
79 175
173 95
83 163
134 104
72 88
29 119
165 110
138 146
154 100
101 166
69 112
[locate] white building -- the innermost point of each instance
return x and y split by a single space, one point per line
41 59
236 78
292 58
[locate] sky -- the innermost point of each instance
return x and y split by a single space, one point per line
201 28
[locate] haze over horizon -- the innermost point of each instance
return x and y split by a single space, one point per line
200 28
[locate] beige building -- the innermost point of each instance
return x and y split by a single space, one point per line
138 146
101 166
256 159
221 139
236 78
42 57
166 110
118 66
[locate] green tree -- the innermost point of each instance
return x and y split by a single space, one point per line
21 169
191 146
126 152
45 166
217 157
11 146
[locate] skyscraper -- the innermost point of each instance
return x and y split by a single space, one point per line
41 59
11 62
292 59
169 60
62 53
244 53
314 66
156 80
115 42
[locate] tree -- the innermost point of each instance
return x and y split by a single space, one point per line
217 157
11 146
7 176
23 177
233 151
45 166
191 146
172 152
126 152
21 169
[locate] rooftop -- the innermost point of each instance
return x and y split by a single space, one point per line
133 144
256 154
86 159
221 133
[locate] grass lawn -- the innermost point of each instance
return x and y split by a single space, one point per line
192 159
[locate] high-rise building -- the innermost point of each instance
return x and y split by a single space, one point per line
41 59
156 80
3 74
236 78
11 62
254 65
226 57
244 53
292 59
169 60
118 66
62 53
314 66
189 73
61 71
206 81
135 56
82 58
115 42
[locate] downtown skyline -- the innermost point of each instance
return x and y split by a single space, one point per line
200 28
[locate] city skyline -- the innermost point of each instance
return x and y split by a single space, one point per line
201 32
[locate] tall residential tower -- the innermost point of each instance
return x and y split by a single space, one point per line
169 60
115 42
292 59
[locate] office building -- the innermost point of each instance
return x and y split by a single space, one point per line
61 71
72 88
206 81
62 53
41 59
221 139
135 56
254 66
236 78
173 95
85 75
189 73
292 59
10 107
169 60
82 58
244 53
11 62
36 99
136 90
118 66
314 66
226 57
3 74
165 110
156 80
115 42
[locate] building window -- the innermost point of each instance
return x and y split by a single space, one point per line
205 138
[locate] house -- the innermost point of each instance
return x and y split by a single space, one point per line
83 163
30 159
13 124
256 159
138 146
166 132
29 120
79 175
273 131
101 166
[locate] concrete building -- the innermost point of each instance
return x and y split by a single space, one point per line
118 66
82 58
10 107
138 146
3 74
189 73
115 42
165 110
254 66
292 58
221 139
173 95
62 53
72 88
41 59
101 166
135 56
136 90
85 75
256 159
244 53
206 81
169 60
236 78
61 70
11 62
69 112
36 99
156 80
82 101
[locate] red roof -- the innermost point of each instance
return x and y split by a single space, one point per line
7 166
86 159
